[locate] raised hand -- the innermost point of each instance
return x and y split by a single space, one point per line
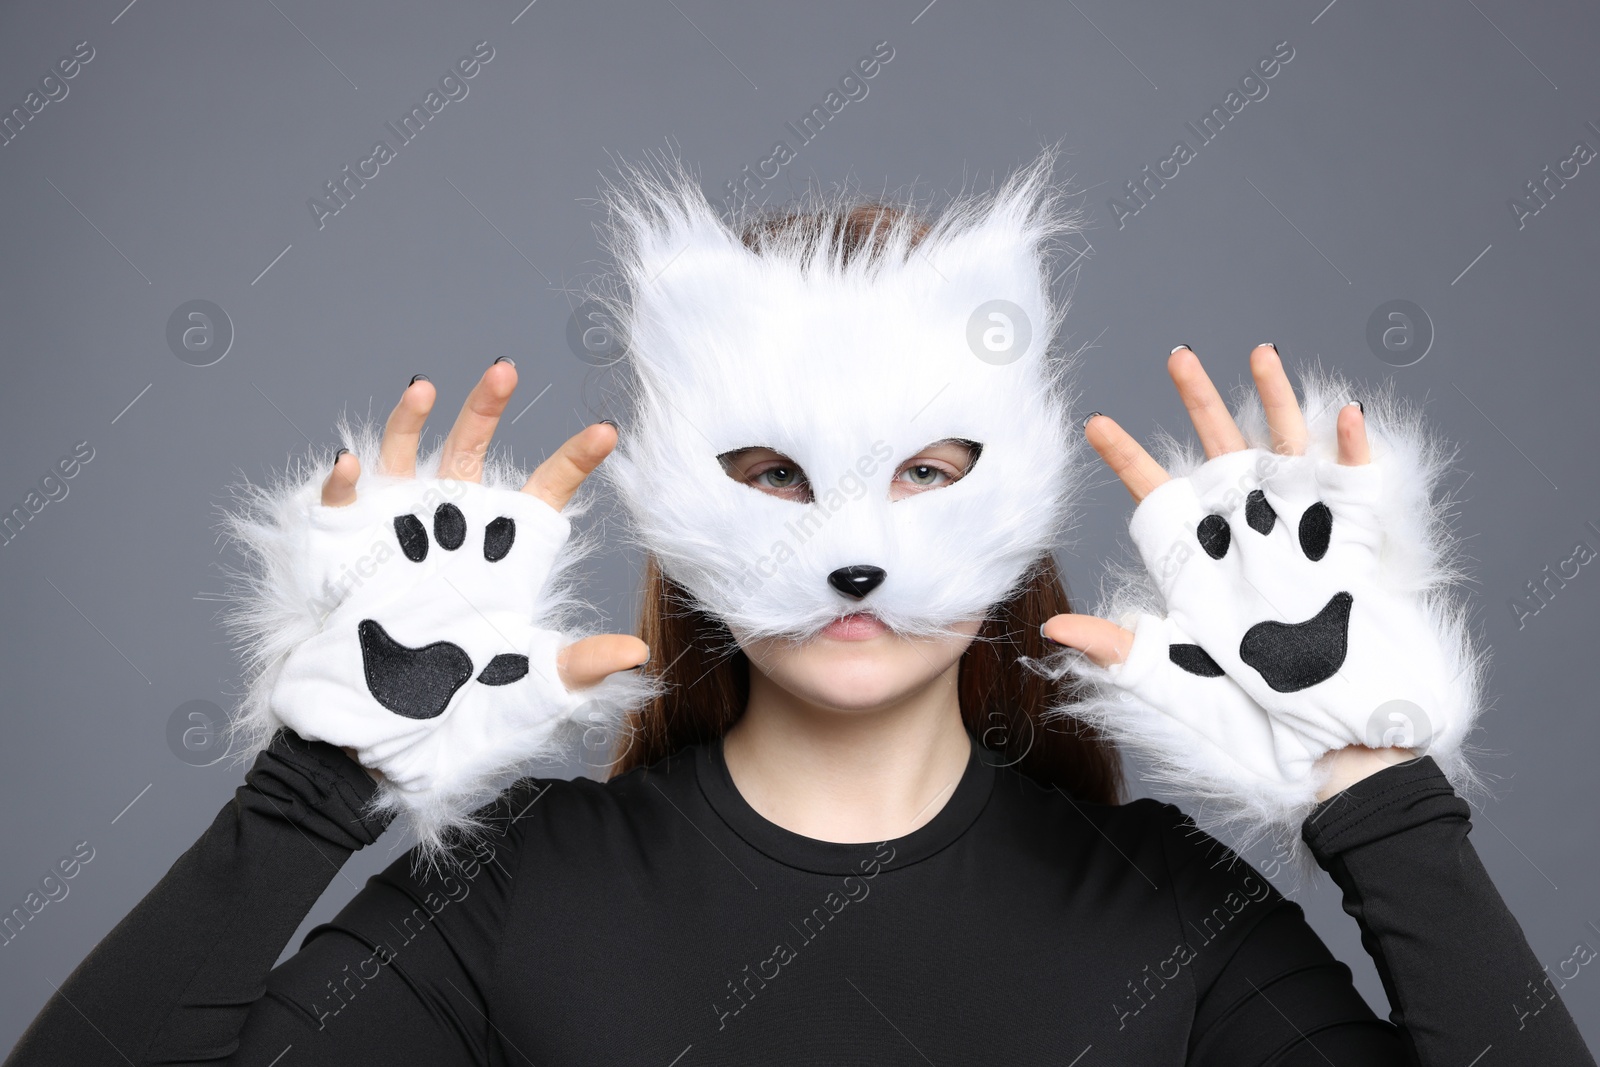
430 641
554 481
1291 618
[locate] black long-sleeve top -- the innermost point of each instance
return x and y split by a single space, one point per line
658 919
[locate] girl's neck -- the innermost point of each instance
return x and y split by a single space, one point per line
853 776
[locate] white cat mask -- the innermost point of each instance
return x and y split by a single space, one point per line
849 369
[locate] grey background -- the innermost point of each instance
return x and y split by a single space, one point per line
178 167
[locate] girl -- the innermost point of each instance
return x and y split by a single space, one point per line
865 805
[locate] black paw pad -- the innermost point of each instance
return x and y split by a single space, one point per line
416 683
413 538
449 526
1258 513
1316 530
505 669
497 539
1295 656
1214 536
1195 660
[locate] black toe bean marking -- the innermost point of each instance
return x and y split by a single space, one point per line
1214 536
1316 528
413 538
504 669
416 683
497 539
449 526
1195 660
1258 513
1295 656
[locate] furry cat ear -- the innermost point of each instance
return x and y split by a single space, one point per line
656 215
675 257
992 254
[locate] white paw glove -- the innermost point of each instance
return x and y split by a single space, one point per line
419 626
1296 611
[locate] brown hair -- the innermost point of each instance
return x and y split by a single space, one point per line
859 230
705 678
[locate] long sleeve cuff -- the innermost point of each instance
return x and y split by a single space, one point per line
318 788
1390 802
1459 974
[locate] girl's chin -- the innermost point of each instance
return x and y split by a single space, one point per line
853 676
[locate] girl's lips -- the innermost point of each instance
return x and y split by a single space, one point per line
858 627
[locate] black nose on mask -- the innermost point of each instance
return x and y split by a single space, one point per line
857 581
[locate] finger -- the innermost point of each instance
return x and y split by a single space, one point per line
587 662
468 442
1104 642
397 454
557 478
340 487
1126 458
1287 425
1354 449
1216 428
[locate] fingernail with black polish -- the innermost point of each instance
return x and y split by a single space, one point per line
1361 407
506 359
1092 416
1189 347
612 424
415 378
1047 637
336 456
1267 344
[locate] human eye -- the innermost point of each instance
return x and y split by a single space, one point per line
767 471
926 475
940 464
779 476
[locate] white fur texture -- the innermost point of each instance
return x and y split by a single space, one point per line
849 370
313 571
1240 749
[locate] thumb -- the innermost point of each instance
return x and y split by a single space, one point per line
587 662
1104 642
